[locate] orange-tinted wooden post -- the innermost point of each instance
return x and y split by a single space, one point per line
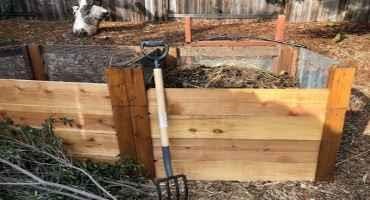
280 28
340 84
287 60
37 62
131 116
188 35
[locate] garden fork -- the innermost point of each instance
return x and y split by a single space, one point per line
173 186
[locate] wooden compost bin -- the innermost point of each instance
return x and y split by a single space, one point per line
215 134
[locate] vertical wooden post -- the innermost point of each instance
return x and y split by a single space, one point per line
188 36
340 84
280 28
131 116
171 59
37 62
287 61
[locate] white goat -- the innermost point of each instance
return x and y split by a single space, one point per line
87 18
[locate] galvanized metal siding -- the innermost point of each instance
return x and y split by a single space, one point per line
313 69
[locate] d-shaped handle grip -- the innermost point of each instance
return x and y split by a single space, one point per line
162 46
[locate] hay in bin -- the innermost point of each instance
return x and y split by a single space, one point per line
226 77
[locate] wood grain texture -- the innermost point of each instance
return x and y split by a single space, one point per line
91 133
236 51
219 127
288 60
241 170
89 143
37 62
130 114
242 132
173 55
137 11
36 115
243 145
84 97
340 84
284 151
188 36
280 28
243 102
224 43
252 134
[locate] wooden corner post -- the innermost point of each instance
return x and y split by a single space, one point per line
340 84
131 116
188 24
280 28
37 62
287 60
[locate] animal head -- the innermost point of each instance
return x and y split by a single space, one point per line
99 13
87 18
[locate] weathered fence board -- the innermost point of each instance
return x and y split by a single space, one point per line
229 7
140 10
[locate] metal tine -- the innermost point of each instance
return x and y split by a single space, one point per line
159 190
185 181
175 180
169 195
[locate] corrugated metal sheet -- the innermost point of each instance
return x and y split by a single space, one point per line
141 10
313 69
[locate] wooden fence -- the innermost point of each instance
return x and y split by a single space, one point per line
141 10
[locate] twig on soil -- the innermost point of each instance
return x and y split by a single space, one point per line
39 181
353 157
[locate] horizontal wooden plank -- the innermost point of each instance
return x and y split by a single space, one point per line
225 52
243 160
84 97
210 95
89 143
243 145
244 102
263 128
36 115
228 43
88 105
217 155
223 16
97 157
241 170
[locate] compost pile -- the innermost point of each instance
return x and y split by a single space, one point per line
34 165
225 77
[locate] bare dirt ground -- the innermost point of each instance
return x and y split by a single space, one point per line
351 46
